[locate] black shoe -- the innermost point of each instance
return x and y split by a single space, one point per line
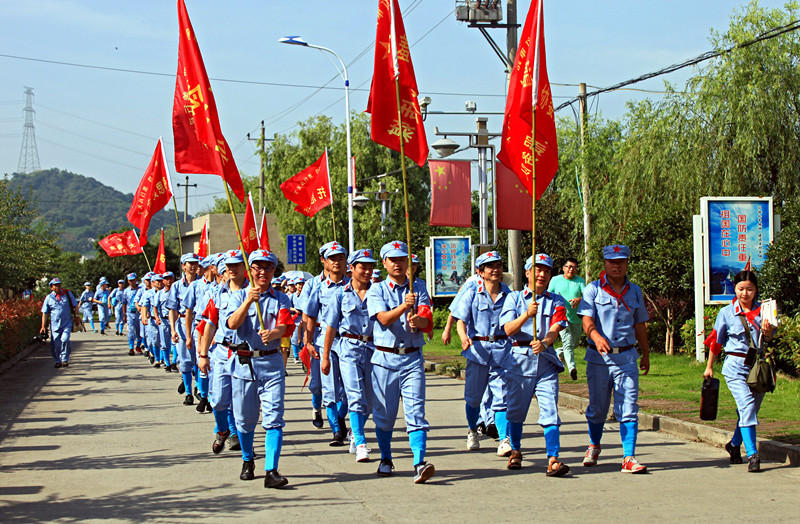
209 409
174 366
248 470
342 426
188 401
102 331
481 429
58 365
422 472
273 479
753 463
65 364
219 442
147 353
131 352
735 452
152 359
157 365
181 388
167 369
197 393
491 431
337 440
573 374
201 406
385 468
317 420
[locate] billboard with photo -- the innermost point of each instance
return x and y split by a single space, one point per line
451 264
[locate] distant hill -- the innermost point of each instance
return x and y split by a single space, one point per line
80 207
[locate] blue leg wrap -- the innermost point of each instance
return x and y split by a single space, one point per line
473 413
231 422
595 433
357 421
552 440
333 418
316 401
627 433
272 445
418 440
501 421
384 442
187 382
736 439
749 439
246 441
221 417
515 434
202 386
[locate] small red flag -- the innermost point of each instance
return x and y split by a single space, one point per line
310 189
451 199
153 193
200 147
202 249
529 86
512 200
263 233
249 231
393 60
160 265
119 244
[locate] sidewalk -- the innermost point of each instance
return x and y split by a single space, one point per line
108 438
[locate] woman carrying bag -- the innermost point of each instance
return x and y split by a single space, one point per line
740 329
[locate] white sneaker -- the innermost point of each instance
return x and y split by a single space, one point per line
472 441
352 440
504 449
362 453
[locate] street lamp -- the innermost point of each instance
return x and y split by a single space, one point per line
296 40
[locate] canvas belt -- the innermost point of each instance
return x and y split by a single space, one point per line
397 351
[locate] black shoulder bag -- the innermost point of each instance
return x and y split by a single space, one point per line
761 378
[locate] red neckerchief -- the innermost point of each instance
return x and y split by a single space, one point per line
605 286
750 316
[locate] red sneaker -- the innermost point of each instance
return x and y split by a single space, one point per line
590 459
631 465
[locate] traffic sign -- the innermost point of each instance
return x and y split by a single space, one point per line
296 247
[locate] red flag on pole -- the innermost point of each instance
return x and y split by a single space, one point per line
153 193
160 265
529 86
310 189
202 249
263 233
451 199
393 59
512 197
119 244
249 231
200 147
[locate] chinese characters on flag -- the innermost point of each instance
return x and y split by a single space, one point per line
249 231
310 189
529 86
450 193
202 249
393 60
119 244
200 147
160 265
153 193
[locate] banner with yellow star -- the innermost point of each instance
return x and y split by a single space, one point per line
451 203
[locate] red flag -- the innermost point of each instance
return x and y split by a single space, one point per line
529 85
119 244
249 231
199 145
512 200
202 249
160 265
310 189
393 60
153 193
263 233
748 266
451 199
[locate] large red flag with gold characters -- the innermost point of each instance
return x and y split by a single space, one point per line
530 86
160 265
153 193
393 60
249 231
118 244
263 233
200 147
451 199
310 189
202 249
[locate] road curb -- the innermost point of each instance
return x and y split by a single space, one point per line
768 449
10 363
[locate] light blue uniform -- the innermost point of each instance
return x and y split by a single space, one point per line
85 306
132 314
119 314
187 360
315 381
147 301
59 307
528 374
196 298
222 360
614 318
161 310
395 375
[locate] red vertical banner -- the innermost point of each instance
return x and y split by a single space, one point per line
153 193
263 233
160 265
202 249
310 189
451 198
249 231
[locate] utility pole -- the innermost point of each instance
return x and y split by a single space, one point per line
262 186
587 223
514 236
187 185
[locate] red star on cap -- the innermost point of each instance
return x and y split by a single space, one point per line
396 245
542 257
366 253
617 249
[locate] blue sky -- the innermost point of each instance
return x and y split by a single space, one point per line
104 124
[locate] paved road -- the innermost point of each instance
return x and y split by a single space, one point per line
108 438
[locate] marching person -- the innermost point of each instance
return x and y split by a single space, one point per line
131 313
85 302
137 299
119 307
398 369
531 364
195 301
333 395
101 298
738 328
570 286
61 306
614 320
177 313
298 335
153 318
259 382
484 344
161 316
349 328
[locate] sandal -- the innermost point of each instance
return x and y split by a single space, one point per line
559 471
515 459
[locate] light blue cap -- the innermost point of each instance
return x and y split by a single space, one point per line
616 252
87 283
360 255
487 258
414 259
234 256
131 276
168 274
221 266
148 275
263 255
189 257
395 248
376 273
324 247
55 281
120 281
542 259
335 249
207 261
157 276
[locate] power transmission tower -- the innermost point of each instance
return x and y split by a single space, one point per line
28 153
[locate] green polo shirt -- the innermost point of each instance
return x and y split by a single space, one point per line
568 289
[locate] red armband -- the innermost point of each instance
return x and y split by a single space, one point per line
201 327
711 341
284 318
426 312
211 313
560 315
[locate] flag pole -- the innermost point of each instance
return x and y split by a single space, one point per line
535 98
241 246
405 186
330 188
174 202
149 267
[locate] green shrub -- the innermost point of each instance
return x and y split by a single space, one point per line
440 315
785 346
687 331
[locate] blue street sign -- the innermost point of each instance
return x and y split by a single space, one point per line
296 247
